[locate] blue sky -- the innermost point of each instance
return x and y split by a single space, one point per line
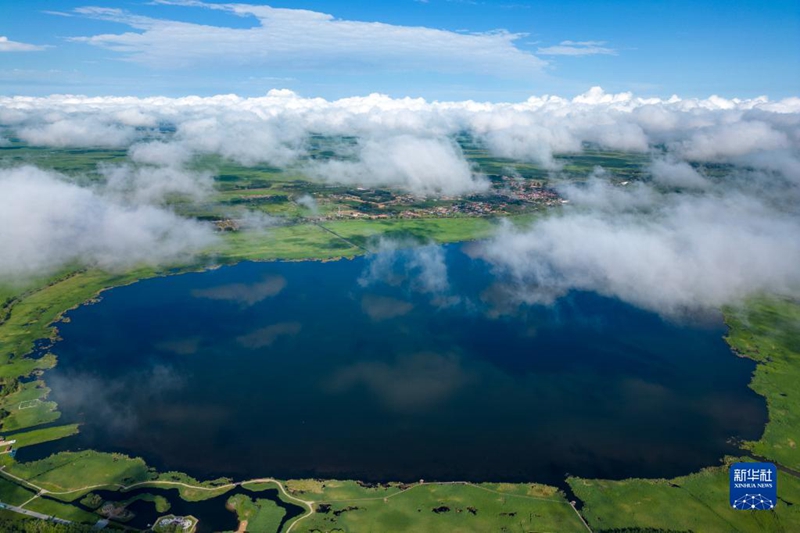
437 49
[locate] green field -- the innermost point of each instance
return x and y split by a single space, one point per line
61 510
343 506
306 241
38 436
767 330
57 473
13 494
260 514
33 414
698 502
440 230
191 489
318 490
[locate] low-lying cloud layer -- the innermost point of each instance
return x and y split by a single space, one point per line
427 166
714 219
408 143
674 254
48 223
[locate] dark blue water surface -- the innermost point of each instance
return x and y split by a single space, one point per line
401 366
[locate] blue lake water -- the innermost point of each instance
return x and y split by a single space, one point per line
401 366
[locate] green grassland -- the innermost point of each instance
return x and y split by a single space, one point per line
767 330
260 514
258 486
698 502
16 393
441 507
307 241
80 162
191 489
22 405
13 494
38 413
57 473
62 510
112 471
92 500
38 436
318 490
440 230
623 165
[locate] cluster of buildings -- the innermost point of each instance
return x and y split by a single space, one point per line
7 446
528 191
508 195
186 523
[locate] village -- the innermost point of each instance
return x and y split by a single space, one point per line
508 196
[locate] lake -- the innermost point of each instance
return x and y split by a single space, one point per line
402 365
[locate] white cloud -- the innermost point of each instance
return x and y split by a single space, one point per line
78 132
666 246
155 185
244 137
7 45
408 143
675 173
597 194
683 254
421 165
49 223
303 39
159 154
309 203
733 139
577 48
